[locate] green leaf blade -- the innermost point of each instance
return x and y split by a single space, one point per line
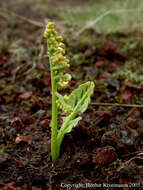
84 91
72 124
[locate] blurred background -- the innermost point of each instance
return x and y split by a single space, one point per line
101 15
88 23
85 25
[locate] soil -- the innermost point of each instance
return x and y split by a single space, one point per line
105 149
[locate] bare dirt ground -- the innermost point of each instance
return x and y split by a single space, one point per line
105 150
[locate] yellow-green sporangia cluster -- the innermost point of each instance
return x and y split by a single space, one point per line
62 103
58 62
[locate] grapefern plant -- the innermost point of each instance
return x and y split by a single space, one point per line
73 104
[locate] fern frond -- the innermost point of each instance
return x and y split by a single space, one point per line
79 93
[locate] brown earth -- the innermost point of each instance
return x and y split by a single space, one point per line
105 150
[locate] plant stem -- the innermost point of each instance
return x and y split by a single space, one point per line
54 123
54 128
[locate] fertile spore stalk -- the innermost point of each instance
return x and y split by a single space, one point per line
73 104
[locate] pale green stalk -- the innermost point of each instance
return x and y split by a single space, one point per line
54 123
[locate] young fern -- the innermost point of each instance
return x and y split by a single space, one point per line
73 104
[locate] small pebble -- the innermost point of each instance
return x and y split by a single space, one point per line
124 133
128 141
12 131
113 126
22 89
39 113
20 180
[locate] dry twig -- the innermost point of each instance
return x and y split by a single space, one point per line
115 104
90 24
7 15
